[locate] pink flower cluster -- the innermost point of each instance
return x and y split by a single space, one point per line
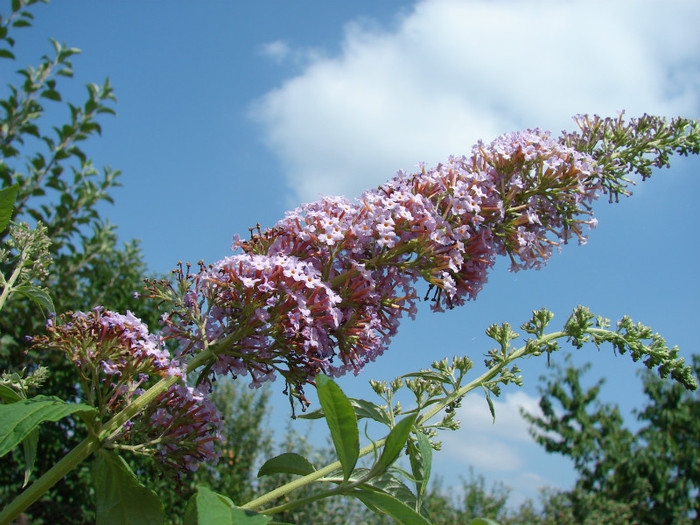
184 424
116 356
117 349
325 288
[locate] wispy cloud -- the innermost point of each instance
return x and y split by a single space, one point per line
502 450
276 51
488 444
452 71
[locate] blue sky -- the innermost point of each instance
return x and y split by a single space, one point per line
230 113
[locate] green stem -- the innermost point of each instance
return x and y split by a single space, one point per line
343 488
484 378
305 480
315 476
11 282
49 479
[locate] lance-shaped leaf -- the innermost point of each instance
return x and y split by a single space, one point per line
121 499
379 501
367 409
29 446
363 409
394 444
421 459
387 483
18 419
287 463
341 421
40 297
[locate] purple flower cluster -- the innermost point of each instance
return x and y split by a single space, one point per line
116 356
324 289
184 424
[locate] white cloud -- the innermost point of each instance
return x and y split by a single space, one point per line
454 71
485 444
277 50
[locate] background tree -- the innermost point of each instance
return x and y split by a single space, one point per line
475 499
651 475
59 187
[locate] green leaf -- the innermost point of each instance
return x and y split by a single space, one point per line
18 419
6 53
430 375
8 395
379 501
363 409
490 402
51 94
388 484
121 499
248 517
206 507
421 458
482 521
7 203
39 296
29 446
287 463
394 444
315 414
370 410
342 422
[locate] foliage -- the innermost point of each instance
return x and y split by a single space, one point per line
651 475
246 442
473 500
58 189
319 294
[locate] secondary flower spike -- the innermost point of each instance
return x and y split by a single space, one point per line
116 356
325 288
